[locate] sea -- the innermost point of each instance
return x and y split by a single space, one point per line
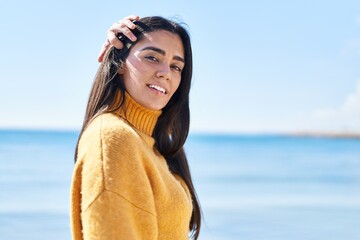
251 187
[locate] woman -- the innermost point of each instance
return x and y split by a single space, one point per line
131 178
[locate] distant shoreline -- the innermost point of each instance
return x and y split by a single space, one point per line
325 135
309 134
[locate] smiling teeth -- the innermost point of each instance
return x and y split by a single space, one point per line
160 89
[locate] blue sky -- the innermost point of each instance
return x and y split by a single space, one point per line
259 66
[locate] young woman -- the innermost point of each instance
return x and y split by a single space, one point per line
131 178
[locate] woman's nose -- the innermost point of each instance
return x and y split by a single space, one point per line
164 72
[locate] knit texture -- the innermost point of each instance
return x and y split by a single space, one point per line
122 187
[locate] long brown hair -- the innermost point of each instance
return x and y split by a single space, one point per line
172 127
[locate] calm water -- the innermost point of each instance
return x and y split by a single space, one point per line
250 187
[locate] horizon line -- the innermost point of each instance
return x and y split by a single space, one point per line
299 133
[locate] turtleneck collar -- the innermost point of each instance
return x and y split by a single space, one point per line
141 118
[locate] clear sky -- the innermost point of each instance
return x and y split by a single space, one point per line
259 65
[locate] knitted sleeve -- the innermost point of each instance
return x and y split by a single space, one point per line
116 195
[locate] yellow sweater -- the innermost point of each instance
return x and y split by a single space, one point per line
122 187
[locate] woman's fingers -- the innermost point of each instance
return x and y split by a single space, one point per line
129 23
103 50
126 29
124 26
112 35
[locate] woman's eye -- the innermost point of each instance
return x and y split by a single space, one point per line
177 68
151 58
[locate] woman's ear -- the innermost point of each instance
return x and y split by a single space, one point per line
121 69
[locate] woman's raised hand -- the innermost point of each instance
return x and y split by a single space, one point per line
123 26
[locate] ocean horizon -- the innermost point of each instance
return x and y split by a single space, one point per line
251 186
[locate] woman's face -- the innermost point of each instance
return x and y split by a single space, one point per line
152 71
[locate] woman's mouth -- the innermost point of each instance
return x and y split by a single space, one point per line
157 88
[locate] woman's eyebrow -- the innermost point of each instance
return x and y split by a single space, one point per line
162 52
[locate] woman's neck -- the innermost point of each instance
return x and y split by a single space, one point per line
139 117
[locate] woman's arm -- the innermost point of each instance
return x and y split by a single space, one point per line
123 26
116 196
111 216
